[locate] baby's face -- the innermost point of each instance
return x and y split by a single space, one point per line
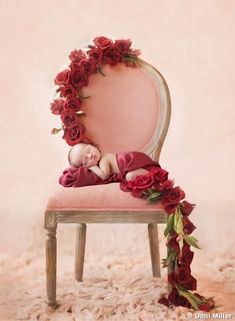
89 156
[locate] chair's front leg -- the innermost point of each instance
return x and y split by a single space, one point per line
51 260
80 251
154 249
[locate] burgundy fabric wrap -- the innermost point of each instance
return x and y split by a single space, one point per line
128 161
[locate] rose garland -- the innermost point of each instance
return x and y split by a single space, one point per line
72 80
153 186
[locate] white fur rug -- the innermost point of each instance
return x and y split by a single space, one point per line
118 283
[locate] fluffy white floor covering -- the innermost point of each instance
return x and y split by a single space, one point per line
118 282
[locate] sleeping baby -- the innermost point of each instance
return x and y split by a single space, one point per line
128 164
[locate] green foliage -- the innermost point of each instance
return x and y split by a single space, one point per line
178 222
170 225
191 240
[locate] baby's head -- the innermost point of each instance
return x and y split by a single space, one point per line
84 154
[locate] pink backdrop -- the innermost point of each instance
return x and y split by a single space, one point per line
190 42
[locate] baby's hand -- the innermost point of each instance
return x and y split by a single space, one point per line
98 172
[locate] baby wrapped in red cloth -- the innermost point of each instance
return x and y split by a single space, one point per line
89 166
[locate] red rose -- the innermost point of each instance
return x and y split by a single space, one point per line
72 103
183 277
159 174
75 135
78 79
189 227
172 242
88 66
102 42
77 55
171 199
164 186
186 207
187 255
57 106
139 184
97 54
67 90
112 56
63 77
164 301
178 300
122 45
75 65
69 118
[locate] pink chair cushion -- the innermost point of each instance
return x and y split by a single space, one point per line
123 110
98 198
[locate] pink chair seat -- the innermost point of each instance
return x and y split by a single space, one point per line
98 198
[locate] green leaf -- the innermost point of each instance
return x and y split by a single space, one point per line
170 258
84 97
100 71
195 298
186 295
191 241
80 112
154 196
170 225
178 222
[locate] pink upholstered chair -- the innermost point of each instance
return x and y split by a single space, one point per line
129 110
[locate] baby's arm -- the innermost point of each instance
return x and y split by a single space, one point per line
103 171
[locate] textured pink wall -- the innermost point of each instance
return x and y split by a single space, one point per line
190 42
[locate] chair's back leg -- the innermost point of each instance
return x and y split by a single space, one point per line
51 266
80 251
154 249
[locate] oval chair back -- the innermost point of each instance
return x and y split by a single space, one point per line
128 109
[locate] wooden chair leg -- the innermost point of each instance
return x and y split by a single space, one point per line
51 266
80 251
154 249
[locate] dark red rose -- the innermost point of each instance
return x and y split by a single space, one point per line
183 277
189 227
159 174
139 184
57 106
178 300
187 255
103 42
122 45
171 199
69 118
88 66
78 79
63 77
164 301
97 54
75 65
72 103
164 186
207 305
112 56
67 90
77 55
75 135
186 207
172 242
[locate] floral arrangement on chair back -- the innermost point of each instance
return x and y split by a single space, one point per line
155 186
